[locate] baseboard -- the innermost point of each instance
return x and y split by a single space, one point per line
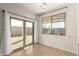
58 48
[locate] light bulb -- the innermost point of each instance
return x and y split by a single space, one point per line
43 5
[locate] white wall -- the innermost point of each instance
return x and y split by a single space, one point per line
78 25
68 42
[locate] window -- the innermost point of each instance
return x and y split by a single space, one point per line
54 24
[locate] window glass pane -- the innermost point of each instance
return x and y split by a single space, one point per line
16 33
58 24
46 25
58 28
16 23
28 33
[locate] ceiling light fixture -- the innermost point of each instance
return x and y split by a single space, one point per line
43 5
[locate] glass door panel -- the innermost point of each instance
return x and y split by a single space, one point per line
16 33
28 33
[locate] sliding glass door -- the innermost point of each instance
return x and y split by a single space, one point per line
16 34
21 33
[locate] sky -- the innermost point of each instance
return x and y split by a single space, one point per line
19 23
54 25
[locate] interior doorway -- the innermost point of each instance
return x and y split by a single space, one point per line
22 33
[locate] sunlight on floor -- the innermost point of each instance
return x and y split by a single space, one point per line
19 41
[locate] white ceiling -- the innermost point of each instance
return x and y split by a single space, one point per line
35 7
